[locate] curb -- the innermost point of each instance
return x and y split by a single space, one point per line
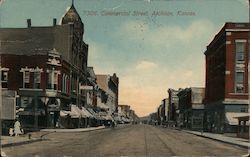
243 146
73 130
21 143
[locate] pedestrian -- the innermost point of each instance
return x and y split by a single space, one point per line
11 131
17 128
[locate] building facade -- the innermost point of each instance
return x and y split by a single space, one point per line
124 113
227 77
162 112
173 108
191 108
45 66
110 85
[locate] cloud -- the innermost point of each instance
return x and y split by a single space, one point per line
245 2
146 65
98 59
166 57
140 31
182 65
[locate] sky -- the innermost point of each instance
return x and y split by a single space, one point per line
151 45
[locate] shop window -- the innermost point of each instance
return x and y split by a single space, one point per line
243 110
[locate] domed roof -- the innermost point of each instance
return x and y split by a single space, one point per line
71 16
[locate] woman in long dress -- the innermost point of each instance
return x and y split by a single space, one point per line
17 128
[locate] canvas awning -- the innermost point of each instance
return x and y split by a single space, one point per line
231 119
117 118
103 106
105 116
96 115
87 113
74 112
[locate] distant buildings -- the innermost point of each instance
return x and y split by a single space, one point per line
227 77
126 114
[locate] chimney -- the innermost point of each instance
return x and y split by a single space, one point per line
54 22
28 23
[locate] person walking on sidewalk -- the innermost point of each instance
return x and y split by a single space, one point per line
17 128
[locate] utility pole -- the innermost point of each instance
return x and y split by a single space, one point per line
249 64
0 107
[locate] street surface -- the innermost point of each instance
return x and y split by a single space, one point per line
133 140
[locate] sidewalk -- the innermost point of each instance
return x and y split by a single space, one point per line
8 141
220 137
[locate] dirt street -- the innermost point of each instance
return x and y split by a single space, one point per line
131 141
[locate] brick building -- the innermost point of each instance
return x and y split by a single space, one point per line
45 66
173 108
124 113
191 108
162 112
110 85
227 77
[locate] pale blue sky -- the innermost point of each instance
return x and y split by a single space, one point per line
149 53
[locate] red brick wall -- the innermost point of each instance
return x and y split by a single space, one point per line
16 62
215 71
230 79
220 64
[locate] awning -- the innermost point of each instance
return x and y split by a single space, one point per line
87 113
64 113
124 119
105 116
96 115
117 118
75 112
231 117
103 106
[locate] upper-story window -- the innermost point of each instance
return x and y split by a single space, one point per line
37 78
26 77
4 77
73 84
52 79
65 83
239 82
240 50
31 75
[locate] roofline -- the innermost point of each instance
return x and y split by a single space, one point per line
226 29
